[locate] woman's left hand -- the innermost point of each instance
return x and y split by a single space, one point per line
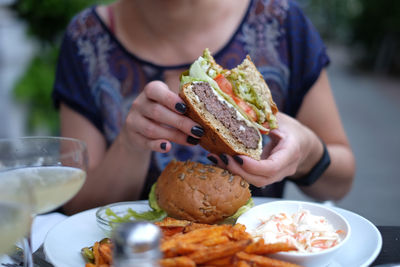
291 149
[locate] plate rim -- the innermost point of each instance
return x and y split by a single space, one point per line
378 248
49 255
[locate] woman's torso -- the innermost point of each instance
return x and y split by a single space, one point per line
115 75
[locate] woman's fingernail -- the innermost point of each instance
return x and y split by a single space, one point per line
224 158
191 140
212 159
238 159
197 131
180 107
163 146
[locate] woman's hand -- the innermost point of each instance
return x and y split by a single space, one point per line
156 119
293 149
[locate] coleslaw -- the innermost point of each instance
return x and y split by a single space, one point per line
307 232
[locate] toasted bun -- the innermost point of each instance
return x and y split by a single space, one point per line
201 193
217 138
256 80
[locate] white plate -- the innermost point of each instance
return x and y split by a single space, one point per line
63 243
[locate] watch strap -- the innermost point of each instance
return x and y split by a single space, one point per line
316 172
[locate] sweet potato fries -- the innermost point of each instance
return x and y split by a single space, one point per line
185 243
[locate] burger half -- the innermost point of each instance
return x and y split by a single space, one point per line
200 193
233 106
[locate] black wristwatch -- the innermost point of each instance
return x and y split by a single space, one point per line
316 171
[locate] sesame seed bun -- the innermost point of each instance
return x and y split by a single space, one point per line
201 193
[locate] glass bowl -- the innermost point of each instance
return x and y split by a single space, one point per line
106 222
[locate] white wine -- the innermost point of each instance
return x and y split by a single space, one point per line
15 221
52 186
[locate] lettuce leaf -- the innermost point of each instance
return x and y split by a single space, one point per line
131 215
152 198
232 219
198 73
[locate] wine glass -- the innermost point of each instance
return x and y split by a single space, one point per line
15 214
54 168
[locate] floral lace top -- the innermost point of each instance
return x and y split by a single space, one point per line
97 77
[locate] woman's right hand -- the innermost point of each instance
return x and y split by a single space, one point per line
157 118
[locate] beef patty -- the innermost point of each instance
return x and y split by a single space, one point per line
248 136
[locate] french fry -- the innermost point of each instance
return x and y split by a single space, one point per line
239 232
239 227
96 265
261 248
243 264
226 261
168 221
105 252
98 259
168 231
182 249
262 261
218 251
196 236
216 240
194 226
182 261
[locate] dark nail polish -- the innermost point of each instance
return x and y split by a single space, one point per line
197 131
191 140
212 159
163 146
238 159
180 107
224 158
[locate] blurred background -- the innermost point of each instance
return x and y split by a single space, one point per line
363 41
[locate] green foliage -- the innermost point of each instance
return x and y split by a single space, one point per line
370 27
332 18
34 89
376 19
46 21
377 30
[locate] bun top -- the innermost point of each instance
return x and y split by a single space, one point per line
201 193
256 80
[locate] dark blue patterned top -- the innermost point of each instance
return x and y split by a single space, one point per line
99 78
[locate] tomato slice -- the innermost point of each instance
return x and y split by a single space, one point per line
226 87
246 108
224 84
265 125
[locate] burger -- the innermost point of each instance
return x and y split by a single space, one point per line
233 106
200 193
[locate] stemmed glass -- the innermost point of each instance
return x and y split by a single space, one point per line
15 214
53 167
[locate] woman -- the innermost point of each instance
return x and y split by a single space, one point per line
117 84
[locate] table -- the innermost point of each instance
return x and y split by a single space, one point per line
390 252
